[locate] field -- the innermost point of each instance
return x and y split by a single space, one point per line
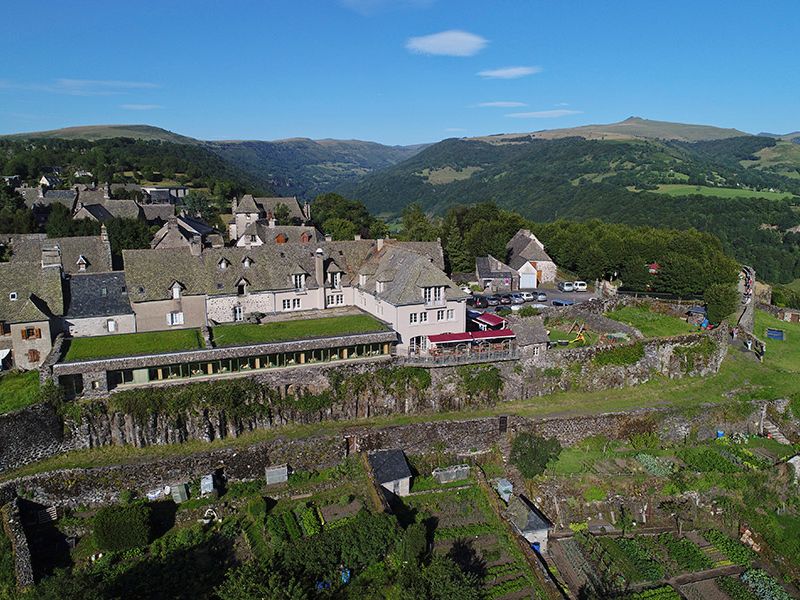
447 174
281 331
651 324
677 189
782 158
133 344
784 355
18 390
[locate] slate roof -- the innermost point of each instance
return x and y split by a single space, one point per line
38 290
50 197
526 517
404 273
98 295
187 227
271 268
292 233
158 212
432 250
524 247
389 465
28 248
263 206
488 267
94 211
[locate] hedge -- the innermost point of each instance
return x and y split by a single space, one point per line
118 528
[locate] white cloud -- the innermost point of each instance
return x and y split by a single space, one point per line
509 72
140 106
545 114
501 104
447 43
80 87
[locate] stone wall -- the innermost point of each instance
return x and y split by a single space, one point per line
31 434
12 526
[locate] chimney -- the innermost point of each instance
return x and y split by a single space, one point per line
107 191
271 222
172 222
41 191
307 210
196 245
234 204
319 268
328 238
380 244
357 237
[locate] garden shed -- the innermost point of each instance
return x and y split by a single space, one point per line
391 471
277 474
529 522
504 489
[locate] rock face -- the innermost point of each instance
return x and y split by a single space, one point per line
358 391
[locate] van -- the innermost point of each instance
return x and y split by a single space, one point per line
566 286
580 286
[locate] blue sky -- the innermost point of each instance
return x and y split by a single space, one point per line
397 71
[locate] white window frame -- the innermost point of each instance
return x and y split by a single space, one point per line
423 317
336 280
111 325
238 313
413 319
299 281
451 314
295 303
175 318
13 296
440 315
176 292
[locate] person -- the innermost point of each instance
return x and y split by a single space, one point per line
749 344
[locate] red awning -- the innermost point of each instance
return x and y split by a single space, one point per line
451 338
493 334
491 320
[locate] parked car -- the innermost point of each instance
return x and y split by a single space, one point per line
539 306
493 300
478 302
528 296
466 289
541 297
566 286
505 299
580 286
517 299
563 302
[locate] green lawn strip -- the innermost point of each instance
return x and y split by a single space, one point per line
688 394
590 337
18 390
783 355
651 324
281 331
133 344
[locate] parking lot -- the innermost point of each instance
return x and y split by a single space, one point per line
552 294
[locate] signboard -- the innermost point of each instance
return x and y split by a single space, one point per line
776 334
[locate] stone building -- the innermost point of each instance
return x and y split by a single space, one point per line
494 275
182 231
527 256
250 209
391 471
98 305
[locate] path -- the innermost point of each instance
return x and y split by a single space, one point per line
747 281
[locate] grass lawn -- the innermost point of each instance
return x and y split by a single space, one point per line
651 324
18 390
678 189
133 344
784 355
560 334
282 331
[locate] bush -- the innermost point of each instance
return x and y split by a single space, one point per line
621 355
721 300
529 311
764 586
532 453
118 528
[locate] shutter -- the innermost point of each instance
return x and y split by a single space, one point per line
38 333
24 333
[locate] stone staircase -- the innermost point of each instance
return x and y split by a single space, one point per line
772 430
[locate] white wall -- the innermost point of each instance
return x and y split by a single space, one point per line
403 486
92 326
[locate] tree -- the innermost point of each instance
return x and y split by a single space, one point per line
198 203
532 453
625 520
414 543
457 254
340 229
281 214
721 301
417 226
442 579
15 217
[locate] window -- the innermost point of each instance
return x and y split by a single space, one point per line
81 266
223 264
175 318
241 288
536 350
4 328
412 318
12 296
291 304
336 280
296 304
287 304
423 317
299 281
33 356
176 291
335 300
362 280
379 286
451 314
247 262
238 313
111 325
433 295
104 292
437 294
427 293
440 315
31 333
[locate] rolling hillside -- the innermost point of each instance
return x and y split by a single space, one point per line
104 132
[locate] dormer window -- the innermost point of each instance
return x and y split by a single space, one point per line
247 262
12 296
81 263
241 287
281 239
335 279
380 286
299 281
223 263
104 292
433 295
362 280
177 289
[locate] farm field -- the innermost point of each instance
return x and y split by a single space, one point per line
679 189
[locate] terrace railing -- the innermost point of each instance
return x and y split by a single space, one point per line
465 358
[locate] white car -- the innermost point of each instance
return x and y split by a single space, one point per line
528 296
566 286
539 306
580 286
466 289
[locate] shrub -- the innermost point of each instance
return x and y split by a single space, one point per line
292 529
118 528
532 453
764 586
721 300
529 311
277 529
308 520
620 355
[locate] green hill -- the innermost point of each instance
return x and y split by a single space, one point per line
105 132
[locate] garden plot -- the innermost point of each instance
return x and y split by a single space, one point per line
466 525
704 590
